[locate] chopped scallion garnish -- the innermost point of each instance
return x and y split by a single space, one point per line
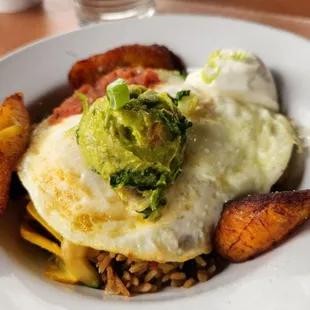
118 94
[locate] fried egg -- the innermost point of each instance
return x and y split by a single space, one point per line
233 149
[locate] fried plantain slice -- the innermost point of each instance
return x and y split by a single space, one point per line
251 226
14 127
88 71
14 135
5 179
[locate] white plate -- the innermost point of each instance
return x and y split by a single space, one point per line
279 279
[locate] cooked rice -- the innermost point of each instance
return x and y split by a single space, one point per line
126 276
178 276
177 283
202 275
189 282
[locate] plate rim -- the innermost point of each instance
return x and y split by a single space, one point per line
31 44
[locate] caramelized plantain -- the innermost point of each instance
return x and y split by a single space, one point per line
14 127
88 71
5 179
251 226
14 135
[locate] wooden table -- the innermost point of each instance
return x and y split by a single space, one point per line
56 16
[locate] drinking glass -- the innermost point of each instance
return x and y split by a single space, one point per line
94 11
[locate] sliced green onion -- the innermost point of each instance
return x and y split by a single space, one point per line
212 68
118 94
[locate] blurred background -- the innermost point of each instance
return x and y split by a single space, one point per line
23 21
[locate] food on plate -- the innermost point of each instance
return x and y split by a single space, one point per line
135 140
5 179
14 135
29 227
29 234
88 71
119 274
56 270
257 223
14 127
128 177
77 263
150 78
237 74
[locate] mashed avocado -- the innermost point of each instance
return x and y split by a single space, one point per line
138 148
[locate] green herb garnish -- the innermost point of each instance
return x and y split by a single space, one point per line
179 96
148 179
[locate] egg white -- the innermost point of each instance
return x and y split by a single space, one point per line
233 149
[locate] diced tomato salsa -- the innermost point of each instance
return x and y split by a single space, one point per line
73 105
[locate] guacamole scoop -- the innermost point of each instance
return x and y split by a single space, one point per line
137 146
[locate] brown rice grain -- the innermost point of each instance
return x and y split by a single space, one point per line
142 272
104 264
135 267
121 288
103 277
134 281
142 288
165 278
150 275
110 280
200 261
126 276
211 270
159 274
189 283
202 275
178 276
120 258
140 276
177 283
166 267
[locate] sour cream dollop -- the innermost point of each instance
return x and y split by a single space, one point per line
237 74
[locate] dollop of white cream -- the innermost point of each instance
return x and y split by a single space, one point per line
237 74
